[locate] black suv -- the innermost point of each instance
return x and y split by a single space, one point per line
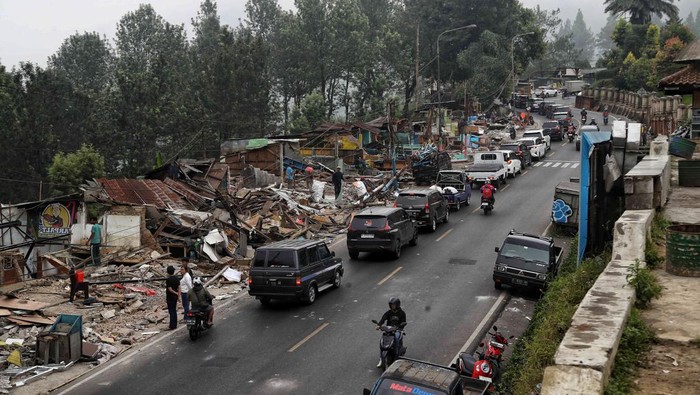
426 206
553 130
293 269
381 229
521 151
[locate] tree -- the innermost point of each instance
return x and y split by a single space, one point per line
87 61
604 39
641 11
309 115
582 36
69 170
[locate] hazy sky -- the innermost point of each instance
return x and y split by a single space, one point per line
32 30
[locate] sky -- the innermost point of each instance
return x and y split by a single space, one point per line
33 30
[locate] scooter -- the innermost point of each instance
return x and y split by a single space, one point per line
390 350
196 323
486 205
496 345
481 367
584 118
605 118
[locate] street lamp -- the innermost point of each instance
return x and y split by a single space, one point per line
512 55
439 123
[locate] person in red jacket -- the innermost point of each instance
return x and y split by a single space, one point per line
487 192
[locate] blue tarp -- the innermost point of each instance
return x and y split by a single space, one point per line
588 140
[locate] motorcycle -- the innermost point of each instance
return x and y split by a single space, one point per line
584 118
390 349
486 205
196 323
481 367
496 345
570 134
605 118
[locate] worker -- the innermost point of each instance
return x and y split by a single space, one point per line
309 177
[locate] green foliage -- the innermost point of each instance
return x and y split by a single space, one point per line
535 349
310 115
69 170
641 12
658 227
636 340
645 284
651 254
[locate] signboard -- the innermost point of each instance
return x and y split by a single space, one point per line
56 219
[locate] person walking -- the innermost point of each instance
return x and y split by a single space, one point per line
185 286
309 177
172 296
289 176
337 182
95 240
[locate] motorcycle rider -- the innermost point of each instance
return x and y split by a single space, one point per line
393 317
487 192
593 122
606 113
201 300
584 115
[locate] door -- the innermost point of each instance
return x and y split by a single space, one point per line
327 262
398 222
315 268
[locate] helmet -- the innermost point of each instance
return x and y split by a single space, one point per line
395 301
487 181
197 281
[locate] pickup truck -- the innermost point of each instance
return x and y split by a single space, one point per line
455 188
527 261
537 146
411 376
489 165
513 164
539 133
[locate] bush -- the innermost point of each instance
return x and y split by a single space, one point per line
651 254
552 317
645 284
635 342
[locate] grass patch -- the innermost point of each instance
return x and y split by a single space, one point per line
658 228
645 284
635 342
651 254
552 317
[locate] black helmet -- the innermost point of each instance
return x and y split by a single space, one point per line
395 301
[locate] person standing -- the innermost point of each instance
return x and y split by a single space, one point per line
172 296
309 177
185 286
289 176
95 240
337 182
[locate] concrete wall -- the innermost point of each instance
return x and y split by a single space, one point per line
585 357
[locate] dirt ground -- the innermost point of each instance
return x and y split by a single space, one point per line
672 368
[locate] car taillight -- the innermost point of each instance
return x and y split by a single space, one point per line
395 205
427 208
250 279
297 282
387 227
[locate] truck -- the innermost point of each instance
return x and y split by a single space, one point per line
526 261
412 376
455 188
489 165
573 87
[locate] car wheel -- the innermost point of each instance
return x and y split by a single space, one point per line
354 254
414 240
447 216
504 180
433 224
458 206
497 285
337 279
469 198
311 294
397 249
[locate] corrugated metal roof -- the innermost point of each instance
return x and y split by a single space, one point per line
689 53
143 192
689 75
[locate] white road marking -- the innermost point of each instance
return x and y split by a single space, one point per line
444 234
312 334
565 165
547 164
340 239
556 164
480 327
575 165
476 209
385 279
537 164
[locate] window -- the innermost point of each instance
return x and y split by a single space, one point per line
411 200
280 258
488 157
304 258
323 252
312 253
259 260
368 222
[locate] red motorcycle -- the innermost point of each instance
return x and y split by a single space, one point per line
571 133
481 367
496 345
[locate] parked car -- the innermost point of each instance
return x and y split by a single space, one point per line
535 104
553 130
537 146
521 151
542 109
546 91
426 206
455 187
377 229
488 165
293 269
411 376
540 133
513 164
526 260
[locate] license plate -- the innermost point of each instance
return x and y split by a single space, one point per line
272 282
484 204
484 378
190 321
367 236
518 281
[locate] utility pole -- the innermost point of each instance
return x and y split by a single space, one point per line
417 89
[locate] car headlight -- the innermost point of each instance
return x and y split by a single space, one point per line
542 276
501 268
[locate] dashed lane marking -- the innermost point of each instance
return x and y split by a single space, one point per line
385 279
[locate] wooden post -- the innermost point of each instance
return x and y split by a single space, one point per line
281 160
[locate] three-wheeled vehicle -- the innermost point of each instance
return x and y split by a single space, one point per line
455 187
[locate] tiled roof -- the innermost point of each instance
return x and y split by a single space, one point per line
689 75
689 53
147 192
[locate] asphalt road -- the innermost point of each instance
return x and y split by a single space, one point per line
331 347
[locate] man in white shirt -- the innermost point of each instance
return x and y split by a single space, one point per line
185 286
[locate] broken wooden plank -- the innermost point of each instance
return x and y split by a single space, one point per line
20 304
5 312
33 319
57 263
219 274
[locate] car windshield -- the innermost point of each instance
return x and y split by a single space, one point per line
529 143
280 258
548 125
368 222
391 387
534 259
410 199
510 147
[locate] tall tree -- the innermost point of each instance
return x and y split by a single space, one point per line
641 11
604 39
582 36
87 61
